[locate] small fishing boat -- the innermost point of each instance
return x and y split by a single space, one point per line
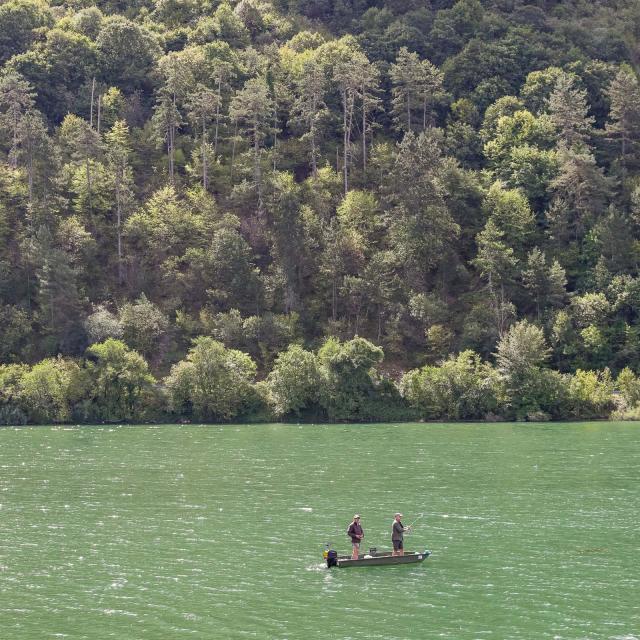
375 558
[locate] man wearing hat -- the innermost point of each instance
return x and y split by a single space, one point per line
356 533
397 535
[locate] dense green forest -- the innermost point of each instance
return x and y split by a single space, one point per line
319 209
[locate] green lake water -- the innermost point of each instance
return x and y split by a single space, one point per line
166 532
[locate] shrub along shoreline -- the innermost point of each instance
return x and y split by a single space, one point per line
340 382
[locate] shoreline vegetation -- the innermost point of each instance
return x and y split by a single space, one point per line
340 382
319 210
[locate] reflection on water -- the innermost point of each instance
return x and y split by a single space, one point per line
217 532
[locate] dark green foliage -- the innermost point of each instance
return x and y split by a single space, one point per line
19 20
350 390
309 183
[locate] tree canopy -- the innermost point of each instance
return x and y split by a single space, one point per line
302 183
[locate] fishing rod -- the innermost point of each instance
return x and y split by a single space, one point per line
338 532
420 516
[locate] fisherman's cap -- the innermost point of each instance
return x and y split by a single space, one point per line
397 514
357 515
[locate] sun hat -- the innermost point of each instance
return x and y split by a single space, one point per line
397 514
357 515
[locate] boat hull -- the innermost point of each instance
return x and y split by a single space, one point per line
383 559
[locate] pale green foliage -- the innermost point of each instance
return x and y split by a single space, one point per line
78 139
495 259
522 128
428 308
590 308
11 411
213 383
538 87
506 106
102 324
530 169
461 388
253 108
528 388
49 389
112 104
628 384
511 213
165 224
143 325
360 211
592 338
16 98
357 354
624 93
294 383
591 393
439 340
88 22
521 349
569 111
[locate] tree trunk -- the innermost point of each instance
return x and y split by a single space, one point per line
13 152
93 89
88 173
314 162
119 224
275 137
99 112
171 142
215 135
30 176
233 149
334 300
345 142
257 170
205 177
364 131
170 153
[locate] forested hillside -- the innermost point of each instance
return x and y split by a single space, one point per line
187 182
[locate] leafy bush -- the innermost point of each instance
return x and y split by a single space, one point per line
143 325
121 387
213 383
50 390
521 354
628 384
11 411
102 324
348 383
462 388
591 394
293 385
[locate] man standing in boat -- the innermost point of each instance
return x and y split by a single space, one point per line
356 533
397 535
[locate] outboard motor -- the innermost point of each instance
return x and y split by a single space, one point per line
332 558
